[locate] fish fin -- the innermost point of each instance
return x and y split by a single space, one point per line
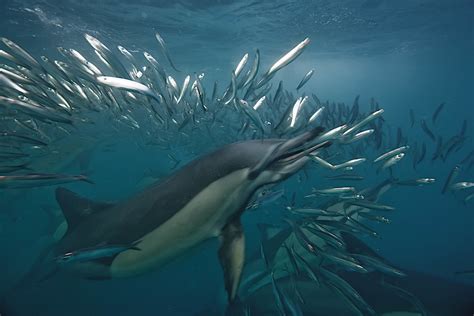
75 208
232 256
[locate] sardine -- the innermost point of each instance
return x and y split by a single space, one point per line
95 253
241 64
451 177
392 161
128 85
184 88
305 79
35 110
461 186
259 103
164 48
436 112
371 205
288 57
416 182
316 115
372 116
334 191
392 153
427 131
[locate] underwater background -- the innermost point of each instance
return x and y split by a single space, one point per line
408 55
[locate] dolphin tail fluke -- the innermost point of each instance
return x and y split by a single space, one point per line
232 256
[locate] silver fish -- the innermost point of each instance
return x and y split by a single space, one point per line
94 253
259 103
241 64
451 177
20 54
278 296
359 136
165 50
416 182
392 161
378 265
316 114
347 290
254 70
305 79
392 153
183 88
350 163
372 116
35 110
6 82
288 57
371 205
461 185
127 84
334 191
296 108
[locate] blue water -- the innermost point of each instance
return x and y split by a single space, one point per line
405 54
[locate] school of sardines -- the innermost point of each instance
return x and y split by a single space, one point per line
44 102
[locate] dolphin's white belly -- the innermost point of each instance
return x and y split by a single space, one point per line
202 218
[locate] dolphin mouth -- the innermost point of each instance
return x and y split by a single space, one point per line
299 153
294 157
289 151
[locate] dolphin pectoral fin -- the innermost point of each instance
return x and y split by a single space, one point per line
232 256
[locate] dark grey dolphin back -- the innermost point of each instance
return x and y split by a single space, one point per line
132 219
93 222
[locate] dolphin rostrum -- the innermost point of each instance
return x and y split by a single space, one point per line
202 200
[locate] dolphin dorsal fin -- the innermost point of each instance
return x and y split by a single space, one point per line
75 207
272 237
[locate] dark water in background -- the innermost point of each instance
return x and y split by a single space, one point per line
406 54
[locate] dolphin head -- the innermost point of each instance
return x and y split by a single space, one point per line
284 158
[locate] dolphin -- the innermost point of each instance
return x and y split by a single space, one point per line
202 200
437 296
